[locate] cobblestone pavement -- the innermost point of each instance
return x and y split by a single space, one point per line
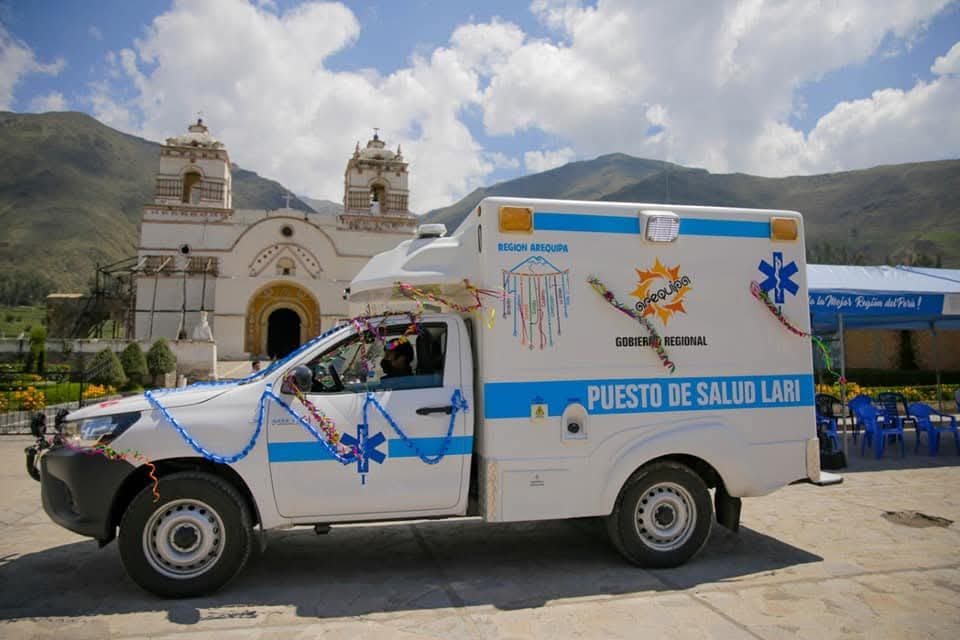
808 562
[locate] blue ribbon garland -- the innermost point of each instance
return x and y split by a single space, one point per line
457 401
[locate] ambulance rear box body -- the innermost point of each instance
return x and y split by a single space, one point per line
570 399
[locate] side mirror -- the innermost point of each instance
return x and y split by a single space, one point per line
301 376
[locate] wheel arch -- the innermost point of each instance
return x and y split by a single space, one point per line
140 479
707 472
710 448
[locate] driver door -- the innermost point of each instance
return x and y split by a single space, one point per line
391 478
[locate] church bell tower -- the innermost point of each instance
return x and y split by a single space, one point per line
194 175
375 193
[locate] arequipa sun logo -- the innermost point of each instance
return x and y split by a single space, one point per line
661 291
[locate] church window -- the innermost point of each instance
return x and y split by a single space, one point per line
377 198
191 184
286 231
185 249
286 267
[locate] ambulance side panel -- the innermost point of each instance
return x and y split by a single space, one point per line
559 354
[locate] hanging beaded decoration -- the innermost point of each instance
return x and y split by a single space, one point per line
656 342
537 298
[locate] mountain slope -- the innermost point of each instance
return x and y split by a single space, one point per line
72 192
587 180
894 212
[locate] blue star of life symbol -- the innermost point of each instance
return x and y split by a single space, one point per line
779 277
367 446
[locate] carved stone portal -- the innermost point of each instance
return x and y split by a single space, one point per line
269 298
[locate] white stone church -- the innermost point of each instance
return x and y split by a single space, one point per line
258 283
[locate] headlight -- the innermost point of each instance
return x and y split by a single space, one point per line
99 430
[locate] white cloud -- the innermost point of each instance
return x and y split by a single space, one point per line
95 33
53 101
891 126
706 84
265 91
16 61
718 81
537 161
948 64
501 161
109 111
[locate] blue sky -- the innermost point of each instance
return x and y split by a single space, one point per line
485 91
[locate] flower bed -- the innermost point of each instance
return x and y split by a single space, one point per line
913 393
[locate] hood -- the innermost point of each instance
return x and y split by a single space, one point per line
167 397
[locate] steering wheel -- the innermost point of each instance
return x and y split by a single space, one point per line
337 384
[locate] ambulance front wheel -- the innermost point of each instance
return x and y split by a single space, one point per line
662 516
189 542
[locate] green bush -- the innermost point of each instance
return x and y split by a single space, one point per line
160 359
134 364
105 369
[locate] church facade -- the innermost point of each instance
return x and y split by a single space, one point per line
257 282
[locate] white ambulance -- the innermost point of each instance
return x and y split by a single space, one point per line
624 361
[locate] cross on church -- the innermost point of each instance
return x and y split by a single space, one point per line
287 197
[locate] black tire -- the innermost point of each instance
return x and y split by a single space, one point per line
201 535
675 520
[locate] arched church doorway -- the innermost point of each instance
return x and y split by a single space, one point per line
281 316
283 333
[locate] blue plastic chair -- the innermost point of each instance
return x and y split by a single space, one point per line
876 431
856 401
922 413
890 405
826 420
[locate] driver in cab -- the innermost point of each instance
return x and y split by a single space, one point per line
397 357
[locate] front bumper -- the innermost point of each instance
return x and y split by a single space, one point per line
78 490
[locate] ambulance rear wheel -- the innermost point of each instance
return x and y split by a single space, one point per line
189 542
662 516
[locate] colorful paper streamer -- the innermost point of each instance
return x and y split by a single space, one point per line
126 455
656 342
419 295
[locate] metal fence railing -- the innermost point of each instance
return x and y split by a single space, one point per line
23 395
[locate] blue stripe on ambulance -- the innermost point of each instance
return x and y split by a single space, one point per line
397 448
547 221
649 395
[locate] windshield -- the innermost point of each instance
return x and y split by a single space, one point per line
284 362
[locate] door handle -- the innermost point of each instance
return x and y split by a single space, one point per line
423 411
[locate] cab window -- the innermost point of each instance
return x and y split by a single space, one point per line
403 358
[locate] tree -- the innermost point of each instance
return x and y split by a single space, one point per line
23 288
160 359
105 369
38 348
134 363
